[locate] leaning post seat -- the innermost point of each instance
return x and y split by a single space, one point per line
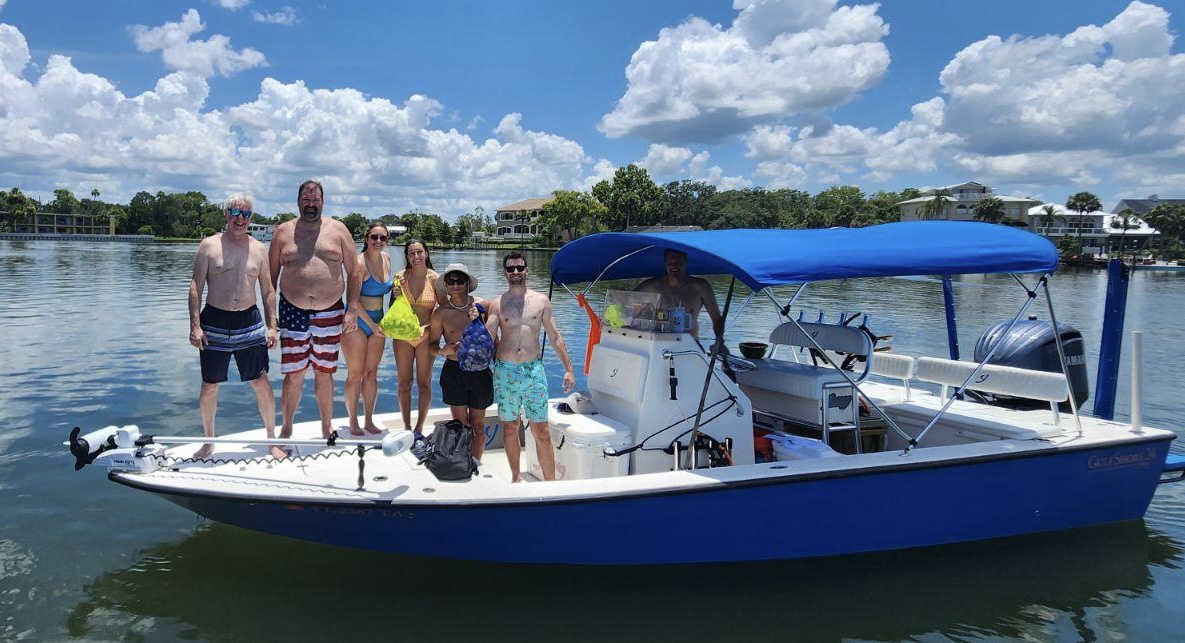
806 393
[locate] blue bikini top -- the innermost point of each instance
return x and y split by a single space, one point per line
374 288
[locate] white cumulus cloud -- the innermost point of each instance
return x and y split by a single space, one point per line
703 82
1101 103
233 5
203 57
286 17
374 155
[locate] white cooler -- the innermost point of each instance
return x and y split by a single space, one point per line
579 442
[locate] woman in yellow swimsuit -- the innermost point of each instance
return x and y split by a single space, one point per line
417 282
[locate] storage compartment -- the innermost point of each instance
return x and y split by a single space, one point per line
579 442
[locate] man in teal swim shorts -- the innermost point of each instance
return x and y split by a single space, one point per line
520 385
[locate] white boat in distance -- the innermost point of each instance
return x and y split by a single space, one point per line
261 232
671 465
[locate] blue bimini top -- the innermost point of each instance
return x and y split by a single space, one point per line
762 258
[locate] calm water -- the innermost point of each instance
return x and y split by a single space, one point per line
97 335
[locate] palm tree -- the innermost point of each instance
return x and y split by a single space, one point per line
936 206
1169 221
1049 217
1124 221
990 209
1082 203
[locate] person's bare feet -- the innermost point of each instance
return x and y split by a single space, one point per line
277 452
373 430
203 452
356 430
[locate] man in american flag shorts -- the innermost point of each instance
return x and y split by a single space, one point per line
313 259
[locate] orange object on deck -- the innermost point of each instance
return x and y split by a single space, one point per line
594 331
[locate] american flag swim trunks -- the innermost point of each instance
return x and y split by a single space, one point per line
310 336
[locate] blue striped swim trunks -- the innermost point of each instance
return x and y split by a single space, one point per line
240 333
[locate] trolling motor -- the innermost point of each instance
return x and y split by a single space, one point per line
126 449
86 448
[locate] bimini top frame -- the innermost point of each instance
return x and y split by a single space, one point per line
764 258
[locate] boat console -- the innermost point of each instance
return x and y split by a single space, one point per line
646 386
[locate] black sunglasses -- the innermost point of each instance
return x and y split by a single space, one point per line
378 237
456 281
515 268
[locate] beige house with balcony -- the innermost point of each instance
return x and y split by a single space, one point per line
519 221
960 204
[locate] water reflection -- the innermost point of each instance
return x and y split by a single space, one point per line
222 582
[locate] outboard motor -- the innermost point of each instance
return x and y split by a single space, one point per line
1032 345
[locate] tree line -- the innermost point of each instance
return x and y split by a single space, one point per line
630 199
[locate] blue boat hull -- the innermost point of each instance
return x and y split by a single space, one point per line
798 516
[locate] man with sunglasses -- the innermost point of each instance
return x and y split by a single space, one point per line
468 389
229 266
520 385
313 259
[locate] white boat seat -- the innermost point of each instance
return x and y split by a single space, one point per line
790 378
804 379
820 395
984 420
895 366
993 378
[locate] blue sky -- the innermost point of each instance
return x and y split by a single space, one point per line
450 105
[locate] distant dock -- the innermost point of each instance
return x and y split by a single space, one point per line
53 236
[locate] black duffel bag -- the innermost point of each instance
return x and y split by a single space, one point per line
450 458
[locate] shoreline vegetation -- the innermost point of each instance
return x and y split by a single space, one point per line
629 200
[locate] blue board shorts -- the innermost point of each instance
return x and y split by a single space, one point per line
240 333
520 387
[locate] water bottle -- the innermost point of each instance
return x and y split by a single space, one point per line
678 320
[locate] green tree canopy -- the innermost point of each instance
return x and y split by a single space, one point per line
356 224
686 203
64 202
839 205
631 199
576 213
476 220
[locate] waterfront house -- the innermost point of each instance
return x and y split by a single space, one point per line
960 202
55 223
520 221
1102 232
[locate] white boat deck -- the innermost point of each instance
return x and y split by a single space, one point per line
330 474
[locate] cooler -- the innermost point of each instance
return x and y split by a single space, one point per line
579 442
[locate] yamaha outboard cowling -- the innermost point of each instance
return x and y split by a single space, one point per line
1031 344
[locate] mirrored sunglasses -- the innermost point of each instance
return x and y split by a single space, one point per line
235 212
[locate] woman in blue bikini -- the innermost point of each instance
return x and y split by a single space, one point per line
364 347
